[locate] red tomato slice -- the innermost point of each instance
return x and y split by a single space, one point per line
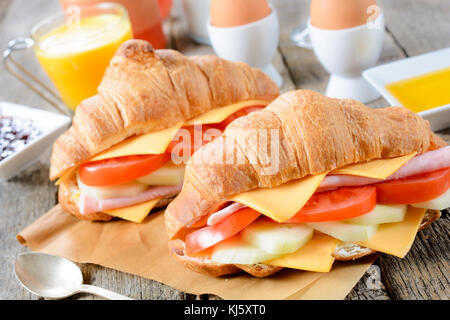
240 113
340 204
120 170
414 189
228 227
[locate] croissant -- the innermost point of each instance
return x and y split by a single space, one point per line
316 134
145 90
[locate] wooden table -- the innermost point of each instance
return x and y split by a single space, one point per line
412 28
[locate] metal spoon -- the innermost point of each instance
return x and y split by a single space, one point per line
55 277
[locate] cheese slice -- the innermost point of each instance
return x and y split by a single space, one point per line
314 256
378 169
136 213
149 143
397 238
69 174
283 202
219 114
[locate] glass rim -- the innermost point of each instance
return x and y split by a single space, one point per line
61 16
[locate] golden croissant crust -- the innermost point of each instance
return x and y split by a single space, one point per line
145 90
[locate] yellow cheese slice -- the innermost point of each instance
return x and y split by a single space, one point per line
397 238
149 143
283 202
379 168
314 256
219 114
66 176
135 213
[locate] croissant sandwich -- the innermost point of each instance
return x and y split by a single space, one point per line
306 181
152 106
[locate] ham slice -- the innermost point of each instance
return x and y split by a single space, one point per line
345 180
90 204
424 163
218 216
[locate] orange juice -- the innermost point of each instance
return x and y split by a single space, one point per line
423 92
76 55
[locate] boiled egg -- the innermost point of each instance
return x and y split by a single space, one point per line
342 14
232 13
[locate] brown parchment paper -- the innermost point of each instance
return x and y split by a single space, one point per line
141 249
344 276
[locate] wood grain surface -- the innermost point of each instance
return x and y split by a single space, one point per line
413 27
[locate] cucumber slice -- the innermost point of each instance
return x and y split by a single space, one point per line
236 251
129 189
345 231
440 203
381 214
277 237
168 175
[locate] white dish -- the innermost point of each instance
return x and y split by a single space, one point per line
51 126
380 76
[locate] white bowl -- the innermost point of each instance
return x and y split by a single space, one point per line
51 126
380 76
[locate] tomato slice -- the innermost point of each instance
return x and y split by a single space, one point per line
343 203
414 189
240 113
228 227
121 169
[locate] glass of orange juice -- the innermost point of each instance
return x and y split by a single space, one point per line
74 48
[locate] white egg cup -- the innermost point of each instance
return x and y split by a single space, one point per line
197 15
253 43
345 54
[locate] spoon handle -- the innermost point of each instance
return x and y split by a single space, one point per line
102 292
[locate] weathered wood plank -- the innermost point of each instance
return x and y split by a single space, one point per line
17 22
23 199
3 9
370 287
418 26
